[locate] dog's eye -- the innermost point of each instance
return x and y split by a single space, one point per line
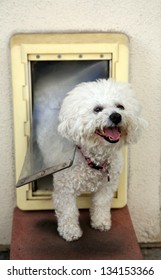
98 109
119 106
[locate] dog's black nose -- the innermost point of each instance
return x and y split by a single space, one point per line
115 118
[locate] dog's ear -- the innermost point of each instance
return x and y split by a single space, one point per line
135 129
72 129
65 126
71 124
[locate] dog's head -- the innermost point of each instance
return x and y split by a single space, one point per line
102 112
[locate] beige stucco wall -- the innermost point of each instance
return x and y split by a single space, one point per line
141 21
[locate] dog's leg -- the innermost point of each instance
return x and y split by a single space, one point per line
101 208
67 214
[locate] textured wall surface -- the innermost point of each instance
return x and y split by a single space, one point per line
141 21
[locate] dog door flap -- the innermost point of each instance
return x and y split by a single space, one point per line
35 168
48 152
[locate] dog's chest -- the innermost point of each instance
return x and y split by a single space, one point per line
80 177
89 178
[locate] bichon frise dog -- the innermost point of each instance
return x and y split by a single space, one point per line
99 118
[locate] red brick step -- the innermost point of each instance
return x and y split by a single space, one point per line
35 237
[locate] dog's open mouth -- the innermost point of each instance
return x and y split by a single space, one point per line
110 134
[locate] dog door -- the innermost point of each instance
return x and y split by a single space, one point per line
44 68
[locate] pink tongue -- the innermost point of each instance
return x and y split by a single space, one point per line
112 132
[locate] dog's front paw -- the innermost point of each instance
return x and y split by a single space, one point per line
102 226
101 222
100 219
70 233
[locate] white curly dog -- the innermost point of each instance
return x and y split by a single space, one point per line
99 118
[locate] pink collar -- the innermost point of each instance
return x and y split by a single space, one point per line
101 168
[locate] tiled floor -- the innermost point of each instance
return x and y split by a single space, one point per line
151 253
148 253
4 255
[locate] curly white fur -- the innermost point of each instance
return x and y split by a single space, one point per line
79 120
